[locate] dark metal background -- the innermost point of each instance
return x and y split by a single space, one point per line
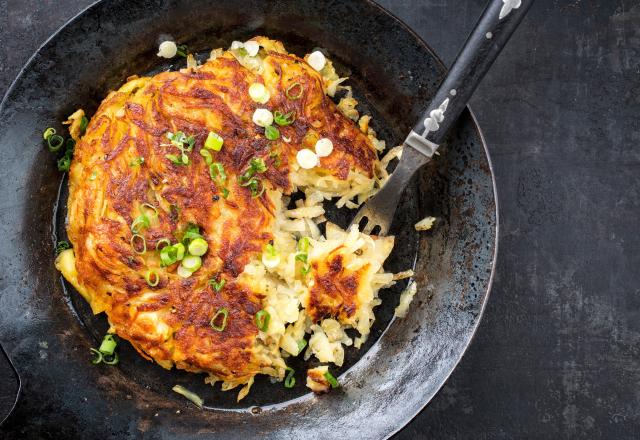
48 332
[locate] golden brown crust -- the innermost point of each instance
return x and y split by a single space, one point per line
335 291
170 322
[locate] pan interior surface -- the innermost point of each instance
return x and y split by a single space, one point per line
404 362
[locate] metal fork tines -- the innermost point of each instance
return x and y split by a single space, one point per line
376 215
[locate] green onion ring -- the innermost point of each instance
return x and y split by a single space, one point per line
48 133
55 142
332 380
225 313
97 358
291 87
111 360
262 320
83 125
151 207
197 400
301 345
217 286
290 380
133 245
140 221
164 241
108 344
152 278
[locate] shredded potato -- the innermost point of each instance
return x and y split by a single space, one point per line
425 224
314 287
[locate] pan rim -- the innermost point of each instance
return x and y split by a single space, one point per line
427 398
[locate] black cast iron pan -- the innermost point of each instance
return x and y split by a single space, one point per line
47 329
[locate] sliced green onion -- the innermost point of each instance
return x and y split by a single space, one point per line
180 250
106 352
184 272
151 207
64 163
256 187
111 360
139 223
262 320
271 133
62 246
136 249
301 345
214 141
191 233
168 255
198 247
290 380
305 269
175 159
97 356
191 263
108 344
216 171
225 193
48 132
84 122
303 244
163 241
217 285
208 159
275 155
257 164
152 278
332 380
284 119
259 93
221 312
193 397
270 257
136 161
171 254
291 94
303 256
183 50
55 142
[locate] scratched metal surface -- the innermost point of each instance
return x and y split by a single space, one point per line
556 355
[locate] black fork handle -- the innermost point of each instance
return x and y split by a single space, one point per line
494 28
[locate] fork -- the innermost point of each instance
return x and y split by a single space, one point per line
498 21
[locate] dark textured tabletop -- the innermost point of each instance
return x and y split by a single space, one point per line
557 354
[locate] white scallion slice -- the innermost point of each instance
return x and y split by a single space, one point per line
167 49
252 47
307 159
324 147
317 60
184 272
191 263
198 247
259 93
262 117
270 257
